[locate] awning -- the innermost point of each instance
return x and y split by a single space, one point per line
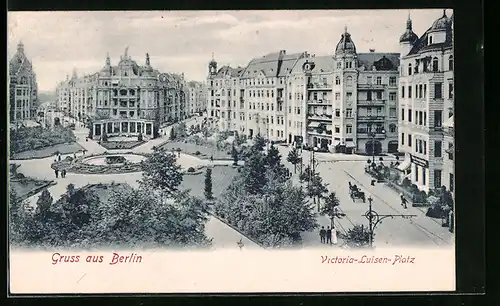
350 144
335 143
404 165
314 124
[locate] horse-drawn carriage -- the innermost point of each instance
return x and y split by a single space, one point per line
356 193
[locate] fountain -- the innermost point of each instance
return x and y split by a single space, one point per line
115 159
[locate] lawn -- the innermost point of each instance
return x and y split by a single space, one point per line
28 187
63 148
118 145
222 176
190 148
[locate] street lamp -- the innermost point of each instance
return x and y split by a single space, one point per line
372 134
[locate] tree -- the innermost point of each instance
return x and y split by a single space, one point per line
208 184
161 172
253 173
172 134
259 144
357 236
330 208
44 203
234 154
294 158
181 130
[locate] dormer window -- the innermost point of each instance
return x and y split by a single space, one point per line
430 39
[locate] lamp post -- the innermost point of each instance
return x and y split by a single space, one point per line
375 219
372 134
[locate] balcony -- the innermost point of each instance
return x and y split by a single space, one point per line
279 99
364 133
319 102
319 117
371 102
371 118
319 86
436 130
372 86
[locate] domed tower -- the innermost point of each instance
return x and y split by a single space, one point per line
439 29
212 66
408 39
344 88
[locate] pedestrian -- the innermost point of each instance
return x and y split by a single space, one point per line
211 158
403 201
63 173
57 173
74 155
334 236
329 235
84 151
59 157
322 234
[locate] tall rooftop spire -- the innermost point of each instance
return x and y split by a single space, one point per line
108 61
408 22
147 60
444 12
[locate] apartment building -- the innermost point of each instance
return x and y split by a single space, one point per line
426 103
345 102
196 95
23 88
126 99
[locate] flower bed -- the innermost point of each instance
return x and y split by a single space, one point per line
76 166
35 138
121 145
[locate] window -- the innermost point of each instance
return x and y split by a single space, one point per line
369 80
416 173
425 91
437 148
402 114
450 91
409 91
392 96
402 138
435 65
438 118
452 182
348 129
325 81
379 80
450 151
425 118
337 112
425 148
339 65
409 69
392 128
348 112
409 140
420 118
416 146
392 81
450 113
402 91
369 96
437 179
369 111
430 40
450 63
379 95
337 129
420 146
392 112
349 80
424 176
409 115
337 79
420 91
349 96
337 96
438 91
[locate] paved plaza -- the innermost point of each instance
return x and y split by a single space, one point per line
223 235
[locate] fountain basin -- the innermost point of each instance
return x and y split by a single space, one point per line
113 159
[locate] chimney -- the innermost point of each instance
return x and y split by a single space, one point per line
372 50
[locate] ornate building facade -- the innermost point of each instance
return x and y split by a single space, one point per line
126 99
427 103
23 89
196 94
344 102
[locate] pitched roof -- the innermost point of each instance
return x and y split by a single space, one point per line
421 45
321 64
272 64
368 60
224 70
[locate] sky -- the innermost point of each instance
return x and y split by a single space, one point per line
183 41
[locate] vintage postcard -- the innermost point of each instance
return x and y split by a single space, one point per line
231 151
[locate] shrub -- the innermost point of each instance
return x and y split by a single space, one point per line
20 176
381 159
197 153
406 182
191 169
69 158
